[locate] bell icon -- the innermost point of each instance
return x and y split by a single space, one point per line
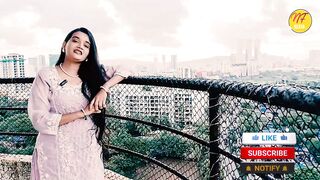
284 168
248 168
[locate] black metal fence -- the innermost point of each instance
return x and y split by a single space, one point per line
168 128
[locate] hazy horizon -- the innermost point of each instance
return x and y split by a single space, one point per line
147 29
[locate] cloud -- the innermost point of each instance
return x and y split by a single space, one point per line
270 15
15 27
152 22
63 14
128 27
21 21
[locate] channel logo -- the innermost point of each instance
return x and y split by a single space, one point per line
269 138
300 21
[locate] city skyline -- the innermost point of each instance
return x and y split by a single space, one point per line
147 29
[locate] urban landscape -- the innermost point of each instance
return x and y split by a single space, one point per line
187 110
202 76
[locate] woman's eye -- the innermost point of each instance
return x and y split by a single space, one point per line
87 46
74 40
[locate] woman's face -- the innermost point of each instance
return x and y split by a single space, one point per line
78 46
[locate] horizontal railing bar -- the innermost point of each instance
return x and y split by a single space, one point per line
150 160
13 108
18 134
16 80
284 96
188 136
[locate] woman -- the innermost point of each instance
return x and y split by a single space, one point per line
65 107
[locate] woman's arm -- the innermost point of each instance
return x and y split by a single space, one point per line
99 101
67 118
114 76
113 81
42 119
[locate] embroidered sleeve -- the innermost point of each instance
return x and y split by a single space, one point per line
42 119
119 70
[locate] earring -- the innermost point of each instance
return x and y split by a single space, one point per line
86 60
62 50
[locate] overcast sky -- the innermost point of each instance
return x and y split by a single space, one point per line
144 29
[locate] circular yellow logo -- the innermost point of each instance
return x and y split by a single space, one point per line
300 21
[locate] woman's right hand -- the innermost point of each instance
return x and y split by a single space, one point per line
89 110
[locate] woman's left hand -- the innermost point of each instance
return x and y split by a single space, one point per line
99 101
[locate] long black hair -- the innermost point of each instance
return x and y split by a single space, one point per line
93 76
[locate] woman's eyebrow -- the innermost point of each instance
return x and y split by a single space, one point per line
75 37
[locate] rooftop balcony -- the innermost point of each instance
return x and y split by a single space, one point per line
168 128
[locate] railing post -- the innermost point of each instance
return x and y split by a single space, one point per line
214 135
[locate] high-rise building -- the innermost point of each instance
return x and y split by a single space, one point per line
34 64
12 66
164 64
174 62
185 72
53 58
314 58
156 65
245 61
178 106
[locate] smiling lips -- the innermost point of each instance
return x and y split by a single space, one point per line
77 51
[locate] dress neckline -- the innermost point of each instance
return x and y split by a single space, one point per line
62 79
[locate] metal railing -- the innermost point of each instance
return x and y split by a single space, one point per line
169 128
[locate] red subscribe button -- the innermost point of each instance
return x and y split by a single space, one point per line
267 153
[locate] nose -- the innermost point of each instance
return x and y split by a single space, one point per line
80 46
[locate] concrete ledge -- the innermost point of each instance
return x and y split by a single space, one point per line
14 167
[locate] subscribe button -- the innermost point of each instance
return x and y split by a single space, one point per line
267 153
269 138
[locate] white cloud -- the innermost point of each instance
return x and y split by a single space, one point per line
148 28
151 22
22 19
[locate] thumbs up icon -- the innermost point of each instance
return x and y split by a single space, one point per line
255 137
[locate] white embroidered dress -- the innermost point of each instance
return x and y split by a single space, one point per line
68 152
